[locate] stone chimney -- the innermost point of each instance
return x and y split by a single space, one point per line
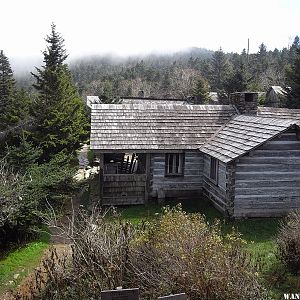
245 102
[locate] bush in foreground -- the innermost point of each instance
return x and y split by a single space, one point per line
182 253
177 252
288 242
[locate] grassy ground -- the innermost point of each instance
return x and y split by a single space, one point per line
259 233
20 263
256 230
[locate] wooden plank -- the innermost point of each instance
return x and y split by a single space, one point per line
270 160
268 191
108 189
134 200
268 167
281 145
271 175
292 182
260 213
275 153
267 205
208 184
124 177
188 178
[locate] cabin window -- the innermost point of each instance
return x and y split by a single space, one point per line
174 164
214 169
249 97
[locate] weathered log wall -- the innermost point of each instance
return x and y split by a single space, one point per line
216 190
176 186
267 182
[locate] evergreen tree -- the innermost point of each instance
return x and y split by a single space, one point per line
201 91
7 89
220 69
262 61
293 79
60 113
238 79
294 47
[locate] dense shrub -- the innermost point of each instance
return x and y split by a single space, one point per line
25 195
178 252
182 253
288 242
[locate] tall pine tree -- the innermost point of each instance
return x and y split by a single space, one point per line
293 79
7 90
60 113
220 70
201 91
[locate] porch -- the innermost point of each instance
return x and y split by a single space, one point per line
123 179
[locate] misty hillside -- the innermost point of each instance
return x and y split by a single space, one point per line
176 75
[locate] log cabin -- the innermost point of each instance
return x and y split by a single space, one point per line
244 158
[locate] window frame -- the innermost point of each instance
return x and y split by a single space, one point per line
216 169
181 160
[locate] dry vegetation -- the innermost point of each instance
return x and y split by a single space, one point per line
288 242
176 252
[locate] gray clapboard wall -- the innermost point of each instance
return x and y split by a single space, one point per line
267 182
216 191
191 181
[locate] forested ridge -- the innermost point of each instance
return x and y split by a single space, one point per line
176 75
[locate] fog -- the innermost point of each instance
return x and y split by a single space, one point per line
124 28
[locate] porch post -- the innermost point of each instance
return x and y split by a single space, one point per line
147 183
101 177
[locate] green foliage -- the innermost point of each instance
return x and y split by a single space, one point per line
25 199
220 70
7 89
21 261
106 92
7 81
22 156
19 107
201 91
237 80
52 182
293 76
91 157
60 113
288 242
14 103
17 210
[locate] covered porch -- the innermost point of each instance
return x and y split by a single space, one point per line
123 178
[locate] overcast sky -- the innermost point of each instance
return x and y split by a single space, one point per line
140 26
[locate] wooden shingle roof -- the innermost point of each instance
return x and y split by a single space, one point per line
160 127
135 100
280 113
242 134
